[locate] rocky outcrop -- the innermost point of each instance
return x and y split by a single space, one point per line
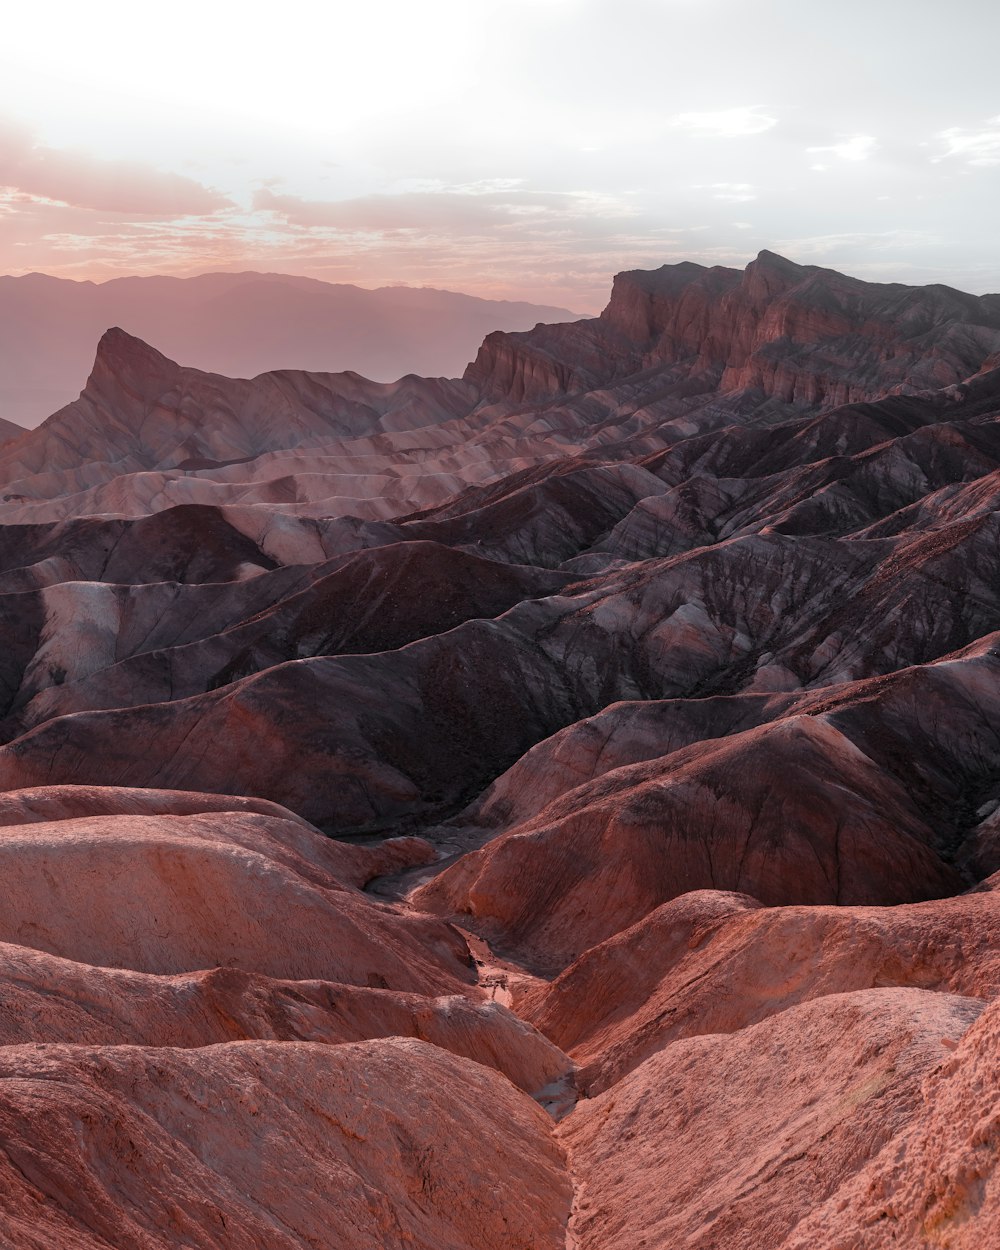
695 1176
168 894
238 324
790 812
140 411
797 333
712 962
936 1183
9 430
280 1145
677 349
88 645
53 1000
647 681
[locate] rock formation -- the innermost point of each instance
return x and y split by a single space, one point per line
239 324
273 1145
669 1157
557 807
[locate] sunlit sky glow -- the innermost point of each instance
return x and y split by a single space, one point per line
517 149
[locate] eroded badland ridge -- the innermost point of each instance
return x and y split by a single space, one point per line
647 679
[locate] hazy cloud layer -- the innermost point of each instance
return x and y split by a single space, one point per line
84 180
977 147
523 152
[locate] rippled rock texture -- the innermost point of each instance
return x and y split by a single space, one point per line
556 807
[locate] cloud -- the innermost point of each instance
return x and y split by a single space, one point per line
469 209
435 212
731 192
858 243
41 234
84 181
482 186
855 148
726 123
977 147
496 237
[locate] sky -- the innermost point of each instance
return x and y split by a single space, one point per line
517 149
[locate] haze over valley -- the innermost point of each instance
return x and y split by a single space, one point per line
240 324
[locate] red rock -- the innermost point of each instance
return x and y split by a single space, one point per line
9 430
100 646
621 734
732 1141
796 332
48 999
274 1146
239 324
649 614
936 1183
710 962
790 812
208 440
47 803
167 894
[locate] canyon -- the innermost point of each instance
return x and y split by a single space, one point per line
556 806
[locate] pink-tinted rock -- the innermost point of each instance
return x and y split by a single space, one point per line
44 998
622 734
318 445
168 894
9 430
797 332
662 652
790 812
710 962
730 1141
239 324
46 803
272 1147
100 646
936 1183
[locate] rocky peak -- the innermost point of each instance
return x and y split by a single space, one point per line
120 353
645 305
126 369
771 275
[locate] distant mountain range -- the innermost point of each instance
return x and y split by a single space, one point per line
239 324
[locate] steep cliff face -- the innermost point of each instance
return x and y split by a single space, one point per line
549 361
811 335
678 350
796 333
672 311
